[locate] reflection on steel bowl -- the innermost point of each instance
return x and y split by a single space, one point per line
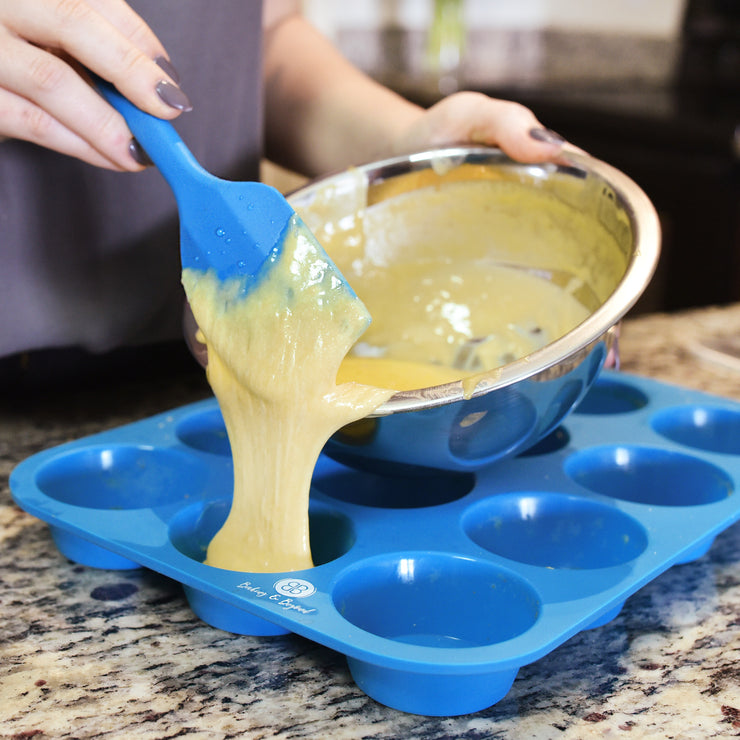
581 223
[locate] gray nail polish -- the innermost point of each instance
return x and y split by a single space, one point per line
546 136
172 95
138 154
167 67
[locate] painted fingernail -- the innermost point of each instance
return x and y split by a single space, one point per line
172 95
546 136
138 154
167 67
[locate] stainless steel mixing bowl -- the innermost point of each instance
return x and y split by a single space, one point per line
512 407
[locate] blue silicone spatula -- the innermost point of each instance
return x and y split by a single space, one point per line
231 227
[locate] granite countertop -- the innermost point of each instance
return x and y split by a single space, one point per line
91 653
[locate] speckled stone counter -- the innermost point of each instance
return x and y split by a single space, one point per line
88 653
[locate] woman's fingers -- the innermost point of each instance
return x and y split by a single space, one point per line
45 45
515 129
105 36
474 118
51 105
21 119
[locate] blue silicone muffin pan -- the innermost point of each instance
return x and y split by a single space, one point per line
437 586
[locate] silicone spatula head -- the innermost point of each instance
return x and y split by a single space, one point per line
234 228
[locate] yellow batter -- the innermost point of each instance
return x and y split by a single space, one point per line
437 320
273 357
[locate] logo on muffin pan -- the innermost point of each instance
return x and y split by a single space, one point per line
287 590
295 587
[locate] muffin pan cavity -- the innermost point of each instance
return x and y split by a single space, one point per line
402 596
192 529
702 427
554 530
205 431
399 491
117 477
649 475
437 587
612 396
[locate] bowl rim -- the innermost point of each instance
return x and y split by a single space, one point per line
640 268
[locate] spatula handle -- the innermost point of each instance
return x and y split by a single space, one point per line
159 139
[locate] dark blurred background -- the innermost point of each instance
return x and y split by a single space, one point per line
665 110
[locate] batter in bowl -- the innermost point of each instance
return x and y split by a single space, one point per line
438 320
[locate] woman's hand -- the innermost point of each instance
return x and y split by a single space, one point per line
474 118
45 97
